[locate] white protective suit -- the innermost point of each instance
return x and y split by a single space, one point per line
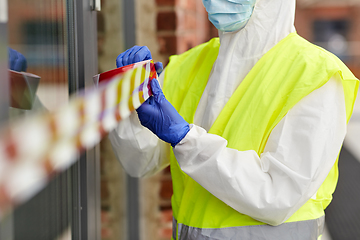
299 153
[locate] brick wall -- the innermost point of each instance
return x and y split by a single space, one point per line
181 25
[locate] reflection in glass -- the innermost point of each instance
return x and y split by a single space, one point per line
332 35
38 30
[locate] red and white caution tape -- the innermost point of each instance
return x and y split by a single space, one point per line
31 151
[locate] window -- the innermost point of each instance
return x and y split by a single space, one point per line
332 35
52 35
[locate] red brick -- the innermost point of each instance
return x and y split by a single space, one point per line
354 68
167 170
186 42
187 20
165 2
213 32
331 12
168 44
189 5
165 233
303 23
166 216
166 189
166 21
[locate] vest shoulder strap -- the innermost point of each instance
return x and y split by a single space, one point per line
187 74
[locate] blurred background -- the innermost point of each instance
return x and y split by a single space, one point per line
66 42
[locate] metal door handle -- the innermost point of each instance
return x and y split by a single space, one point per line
3 11
95 5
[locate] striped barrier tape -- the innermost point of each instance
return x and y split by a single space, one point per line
33 150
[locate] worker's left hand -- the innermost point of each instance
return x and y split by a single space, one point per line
137 54
158 115
17 61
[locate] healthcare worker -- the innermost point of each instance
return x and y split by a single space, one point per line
251 123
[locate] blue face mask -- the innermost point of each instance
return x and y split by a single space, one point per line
229 15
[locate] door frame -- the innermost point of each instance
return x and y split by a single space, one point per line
83 64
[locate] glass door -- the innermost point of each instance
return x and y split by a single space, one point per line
4 97
6 223
52 39
38 30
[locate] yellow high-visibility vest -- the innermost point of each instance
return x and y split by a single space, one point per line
280 79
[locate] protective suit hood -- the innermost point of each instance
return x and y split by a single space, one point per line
271 21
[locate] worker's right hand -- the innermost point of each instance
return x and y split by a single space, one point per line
160 117
137 54
17 61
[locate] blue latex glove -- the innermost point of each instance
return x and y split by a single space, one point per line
158 115
17 61
137 54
